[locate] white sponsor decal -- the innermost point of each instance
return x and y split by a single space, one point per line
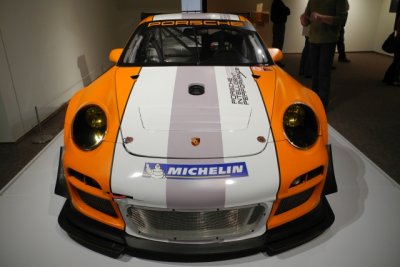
182 171
237 88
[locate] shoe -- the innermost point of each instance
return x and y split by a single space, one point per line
395 83
391 82
344 60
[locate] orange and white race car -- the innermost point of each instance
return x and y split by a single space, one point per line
195 143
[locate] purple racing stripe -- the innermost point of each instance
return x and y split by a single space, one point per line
195 193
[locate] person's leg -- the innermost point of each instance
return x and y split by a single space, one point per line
341 47
282 36
392 73
275 34
396 63
303 58
327 52
307 67
389 74
278 34
340 43
314 63
396 68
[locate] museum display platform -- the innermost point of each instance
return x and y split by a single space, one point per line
366 231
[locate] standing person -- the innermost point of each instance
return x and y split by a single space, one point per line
279 14
393 72
340 43
324 18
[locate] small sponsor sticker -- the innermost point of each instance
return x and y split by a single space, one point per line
202 171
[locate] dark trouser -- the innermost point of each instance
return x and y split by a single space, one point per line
321 57
305 67
278 35
340 44
393 72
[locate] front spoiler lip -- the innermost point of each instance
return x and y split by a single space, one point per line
113 242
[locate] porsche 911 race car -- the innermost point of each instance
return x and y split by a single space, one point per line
195 143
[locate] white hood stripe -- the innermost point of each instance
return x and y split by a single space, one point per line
195 193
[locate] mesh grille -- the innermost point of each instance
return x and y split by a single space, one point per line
193 225
99 204
294 201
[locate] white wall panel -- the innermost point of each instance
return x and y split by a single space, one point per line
56 47
10 119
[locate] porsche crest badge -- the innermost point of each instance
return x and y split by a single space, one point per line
195 141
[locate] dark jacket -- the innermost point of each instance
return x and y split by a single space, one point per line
279 12
397 21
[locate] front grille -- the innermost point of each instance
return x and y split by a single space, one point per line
102 205
294 201
195 225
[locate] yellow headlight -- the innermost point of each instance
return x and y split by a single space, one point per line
294 116
300 125
89 127
95 117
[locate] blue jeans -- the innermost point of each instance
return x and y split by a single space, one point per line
321 58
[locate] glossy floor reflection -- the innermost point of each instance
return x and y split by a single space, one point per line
366 231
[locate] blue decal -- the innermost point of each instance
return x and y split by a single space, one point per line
183 171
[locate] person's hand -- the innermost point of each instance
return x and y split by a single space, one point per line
315 16
304 20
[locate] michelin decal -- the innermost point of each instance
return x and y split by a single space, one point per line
184 171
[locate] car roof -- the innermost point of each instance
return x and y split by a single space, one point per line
208 16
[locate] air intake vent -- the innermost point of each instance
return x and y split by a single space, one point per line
102 205
294 201
83 178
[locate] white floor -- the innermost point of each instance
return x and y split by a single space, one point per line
366 231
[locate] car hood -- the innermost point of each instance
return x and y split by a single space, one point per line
195 112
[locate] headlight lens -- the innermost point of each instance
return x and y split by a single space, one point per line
300 125
89 127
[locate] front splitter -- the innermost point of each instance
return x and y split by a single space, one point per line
113 242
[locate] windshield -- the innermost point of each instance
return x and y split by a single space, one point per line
194 45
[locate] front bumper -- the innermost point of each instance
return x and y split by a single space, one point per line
112 242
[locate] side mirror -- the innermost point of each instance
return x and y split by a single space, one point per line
115 54
276 54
